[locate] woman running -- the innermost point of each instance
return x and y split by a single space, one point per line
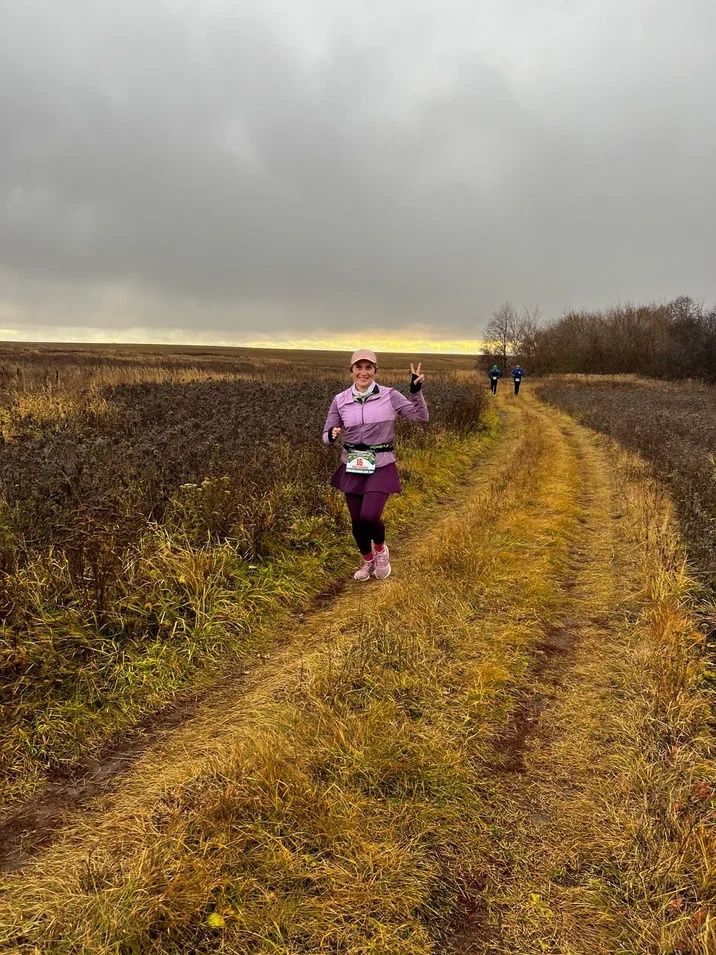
364 416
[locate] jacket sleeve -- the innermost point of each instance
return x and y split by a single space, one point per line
413 408
333 420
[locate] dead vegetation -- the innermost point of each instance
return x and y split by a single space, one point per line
668 340
152 509
348 800
601 804
673 426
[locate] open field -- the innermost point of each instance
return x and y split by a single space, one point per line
505 749
152 513
81 365
672 425
214 742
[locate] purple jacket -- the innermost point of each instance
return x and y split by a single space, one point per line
373 421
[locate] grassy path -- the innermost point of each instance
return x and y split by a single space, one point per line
584 786
554 739
502 748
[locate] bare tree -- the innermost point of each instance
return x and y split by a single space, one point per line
675 339
526 336
501 333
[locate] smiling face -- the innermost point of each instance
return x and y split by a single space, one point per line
363 374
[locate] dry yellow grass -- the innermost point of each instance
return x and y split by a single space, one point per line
358 786
605 841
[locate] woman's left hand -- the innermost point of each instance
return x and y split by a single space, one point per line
417 376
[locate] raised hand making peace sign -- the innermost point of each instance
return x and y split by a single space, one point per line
416 376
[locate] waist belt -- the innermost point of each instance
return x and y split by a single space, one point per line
367 447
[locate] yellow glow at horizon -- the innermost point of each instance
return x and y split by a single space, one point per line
417 344
447 346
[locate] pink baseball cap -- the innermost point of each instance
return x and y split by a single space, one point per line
363 354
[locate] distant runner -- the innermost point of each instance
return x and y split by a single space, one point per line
517 373
364 417
495 374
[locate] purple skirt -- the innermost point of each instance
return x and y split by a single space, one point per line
384 480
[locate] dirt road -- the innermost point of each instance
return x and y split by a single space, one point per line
537 574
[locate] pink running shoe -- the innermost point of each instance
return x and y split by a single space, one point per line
365 570
382 563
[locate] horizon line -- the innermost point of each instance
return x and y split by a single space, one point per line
304 345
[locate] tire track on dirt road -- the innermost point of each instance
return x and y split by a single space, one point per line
530 780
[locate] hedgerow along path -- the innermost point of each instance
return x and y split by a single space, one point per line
450 760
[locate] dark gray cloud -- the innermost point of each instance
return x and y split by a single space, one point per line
240 170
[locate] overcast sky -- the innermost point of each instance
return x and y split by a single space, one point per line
349 170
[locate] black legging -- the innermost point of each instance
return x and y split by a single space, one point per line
517 385
366 511
493 385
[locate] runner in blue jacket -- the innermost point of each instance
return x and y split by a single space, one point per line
495 374
517 373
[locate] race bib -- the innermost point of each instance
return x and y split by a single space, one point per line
360 462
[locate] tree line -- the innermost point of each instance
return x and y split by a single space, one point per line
676 339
